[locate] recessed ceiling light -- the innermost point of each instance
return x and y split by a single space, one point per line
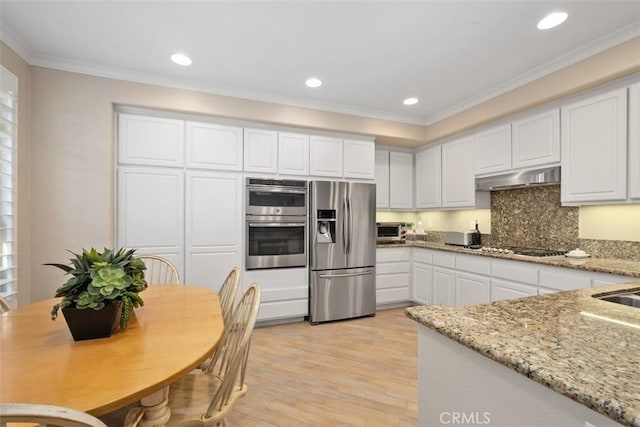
313 82
410 101
181 59
552 20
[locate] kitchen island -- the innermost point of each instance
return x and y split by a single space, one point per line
563 359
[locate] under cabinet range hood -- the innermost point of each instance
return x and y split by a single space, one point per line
519 179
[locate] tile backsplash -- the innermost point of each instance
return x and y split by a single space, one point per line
533 217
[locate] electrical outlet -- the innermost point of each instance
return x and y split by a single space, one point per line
429 224
472 225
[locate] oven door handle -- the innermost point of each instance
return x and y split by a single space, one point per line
276 224
269 189
331 276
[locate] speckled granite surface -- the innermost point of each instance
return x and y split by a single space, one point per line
557 341
603 265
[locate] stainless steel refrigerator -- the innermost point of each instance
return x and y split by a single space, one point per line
342 253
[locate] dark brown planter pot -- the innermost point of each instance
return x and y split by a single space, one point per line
86 324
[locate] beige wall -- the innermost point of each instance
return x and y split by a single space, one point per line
442 220
619 61
610 222
22 70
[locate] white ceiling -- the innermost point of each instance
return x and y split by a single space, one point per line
370 55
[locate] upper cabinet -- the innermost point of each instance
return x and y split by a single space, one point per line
326 156
634 141
211 146
382 179
428 178
536 140
260 150
359 159
400 180
152 141
493 149
594 149
293 154
458 173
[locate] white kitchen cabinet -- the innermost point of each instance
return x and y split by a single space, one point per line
382 179
293 154
422 281
536 140
285 292
400 180
458 173
393 275
504 290
634 141
594 149
260 151
152 141
472 289
213 227
493 149
326 156
150 212
429 178
562 279
359 159
211 146
443 286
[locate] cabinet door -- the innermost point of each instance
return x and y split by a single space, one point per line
458 174
326 156
293 154
359 159
536 140
429 178
260 150
443 286
594 149
493 149
150 206
422 283
150 141
505 290
382 179
212 146
285 292
634 141
400 180
213 227
472 289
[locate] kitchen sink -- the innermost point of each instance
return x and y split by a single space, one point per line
628 298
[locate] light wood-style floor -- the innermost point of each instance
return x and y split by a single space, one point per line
359 372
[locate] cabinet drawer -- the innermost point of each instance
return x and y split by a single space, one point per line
422 255
516 271
564 279
473 264
392 268
393 281
392 255
444 260
385 296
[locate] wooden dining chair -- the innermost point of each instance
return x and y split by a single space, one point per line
46 415
227 295
160 271
4 305
190 398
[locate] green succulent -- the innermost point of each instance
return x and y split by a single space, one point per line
100 278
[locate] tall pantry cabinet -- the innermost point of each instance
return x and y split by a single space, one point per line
180 194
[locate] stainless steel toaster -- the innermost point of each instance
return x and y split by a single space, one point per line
460 238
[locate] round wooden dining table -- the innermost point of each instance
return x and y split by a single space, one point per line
178 327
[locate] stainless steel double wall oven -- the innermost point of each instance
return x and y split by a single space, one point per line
276 223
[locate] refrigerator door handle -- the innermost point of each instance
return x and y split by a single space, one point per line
349 226
345 226
331 276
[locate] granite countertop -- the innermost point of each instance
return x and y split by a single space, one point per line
603 265
579 346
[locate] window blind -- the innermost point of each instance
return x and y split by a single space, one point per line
8 188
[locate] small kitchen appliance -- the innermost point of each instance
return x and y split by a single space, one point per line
458 238
391 232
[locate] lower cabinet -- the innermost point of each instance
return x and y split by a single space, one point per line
393 275
422 276
504 289
472 289
285 292
443 286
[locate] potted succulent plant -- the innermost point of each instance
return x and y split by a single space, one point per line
103 291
